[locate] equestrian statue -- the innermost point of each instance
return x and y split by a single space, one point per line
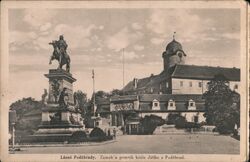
60 54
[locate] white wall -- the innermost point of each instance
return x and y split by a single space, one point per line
195 89
189 115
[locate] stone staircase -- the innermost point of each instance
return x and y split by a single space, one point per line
168 129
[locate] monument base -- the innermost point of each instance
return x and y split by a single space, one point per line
58 124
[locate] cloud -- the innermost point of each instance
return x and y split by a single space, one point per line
231 35
122 39
76 36
138 47
38 17
157 41
101 27
45 27
19 37
136 26
129 55
187 24
19 40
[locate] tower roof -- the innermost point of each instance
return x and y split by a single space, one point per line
173 47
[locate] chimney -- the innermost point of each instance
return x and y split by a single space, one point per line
151 77
135 83
151 90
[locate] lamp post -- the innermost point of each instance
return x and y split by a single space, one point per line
12 119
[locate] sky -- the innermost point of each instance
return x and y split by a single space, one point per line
96 37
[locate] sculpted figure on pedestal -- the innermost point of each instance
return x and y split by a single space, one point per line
60 54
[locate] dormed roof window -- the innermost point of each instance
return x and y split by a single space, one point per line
171 105
155 105
191 105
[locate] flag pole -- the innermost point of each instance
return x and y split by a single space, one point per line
93 77
123 66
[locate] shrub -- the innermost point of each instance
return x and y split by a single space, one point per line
156 119
225 127
180 122
149 123
172 118
192 125
97 132
79 136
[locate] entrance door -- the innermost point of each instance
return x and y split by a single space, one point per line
134 128
196 119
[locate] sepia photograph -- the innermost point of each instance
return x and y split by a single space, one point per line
124 81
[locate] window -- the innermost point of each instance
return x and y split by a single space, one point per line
200 84
191 105
171 105
167 84
190 84
155 105
181 83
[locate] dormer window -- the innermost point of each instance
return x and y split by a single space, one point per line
155 105
191 105
171 105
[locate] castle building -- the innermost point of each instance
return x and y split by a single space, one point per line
177 89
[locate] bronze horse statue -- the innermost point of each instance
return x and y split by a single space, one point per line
60 57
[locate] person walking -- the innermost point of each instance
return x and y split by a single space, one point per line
114 133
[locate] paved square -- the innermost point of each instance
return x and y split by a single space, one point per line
150 144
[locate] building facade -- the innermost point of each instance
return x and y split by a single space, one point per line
177 89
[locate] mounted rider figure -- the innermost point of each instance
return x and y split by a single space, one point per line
60 54
62 45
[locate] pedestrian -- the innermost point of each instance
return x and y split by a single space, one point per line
108 132
114 133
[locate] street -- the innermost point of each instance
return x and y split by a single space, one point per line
150 144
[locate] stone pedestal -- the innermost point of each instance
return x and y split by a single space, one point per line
57 121
59 79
